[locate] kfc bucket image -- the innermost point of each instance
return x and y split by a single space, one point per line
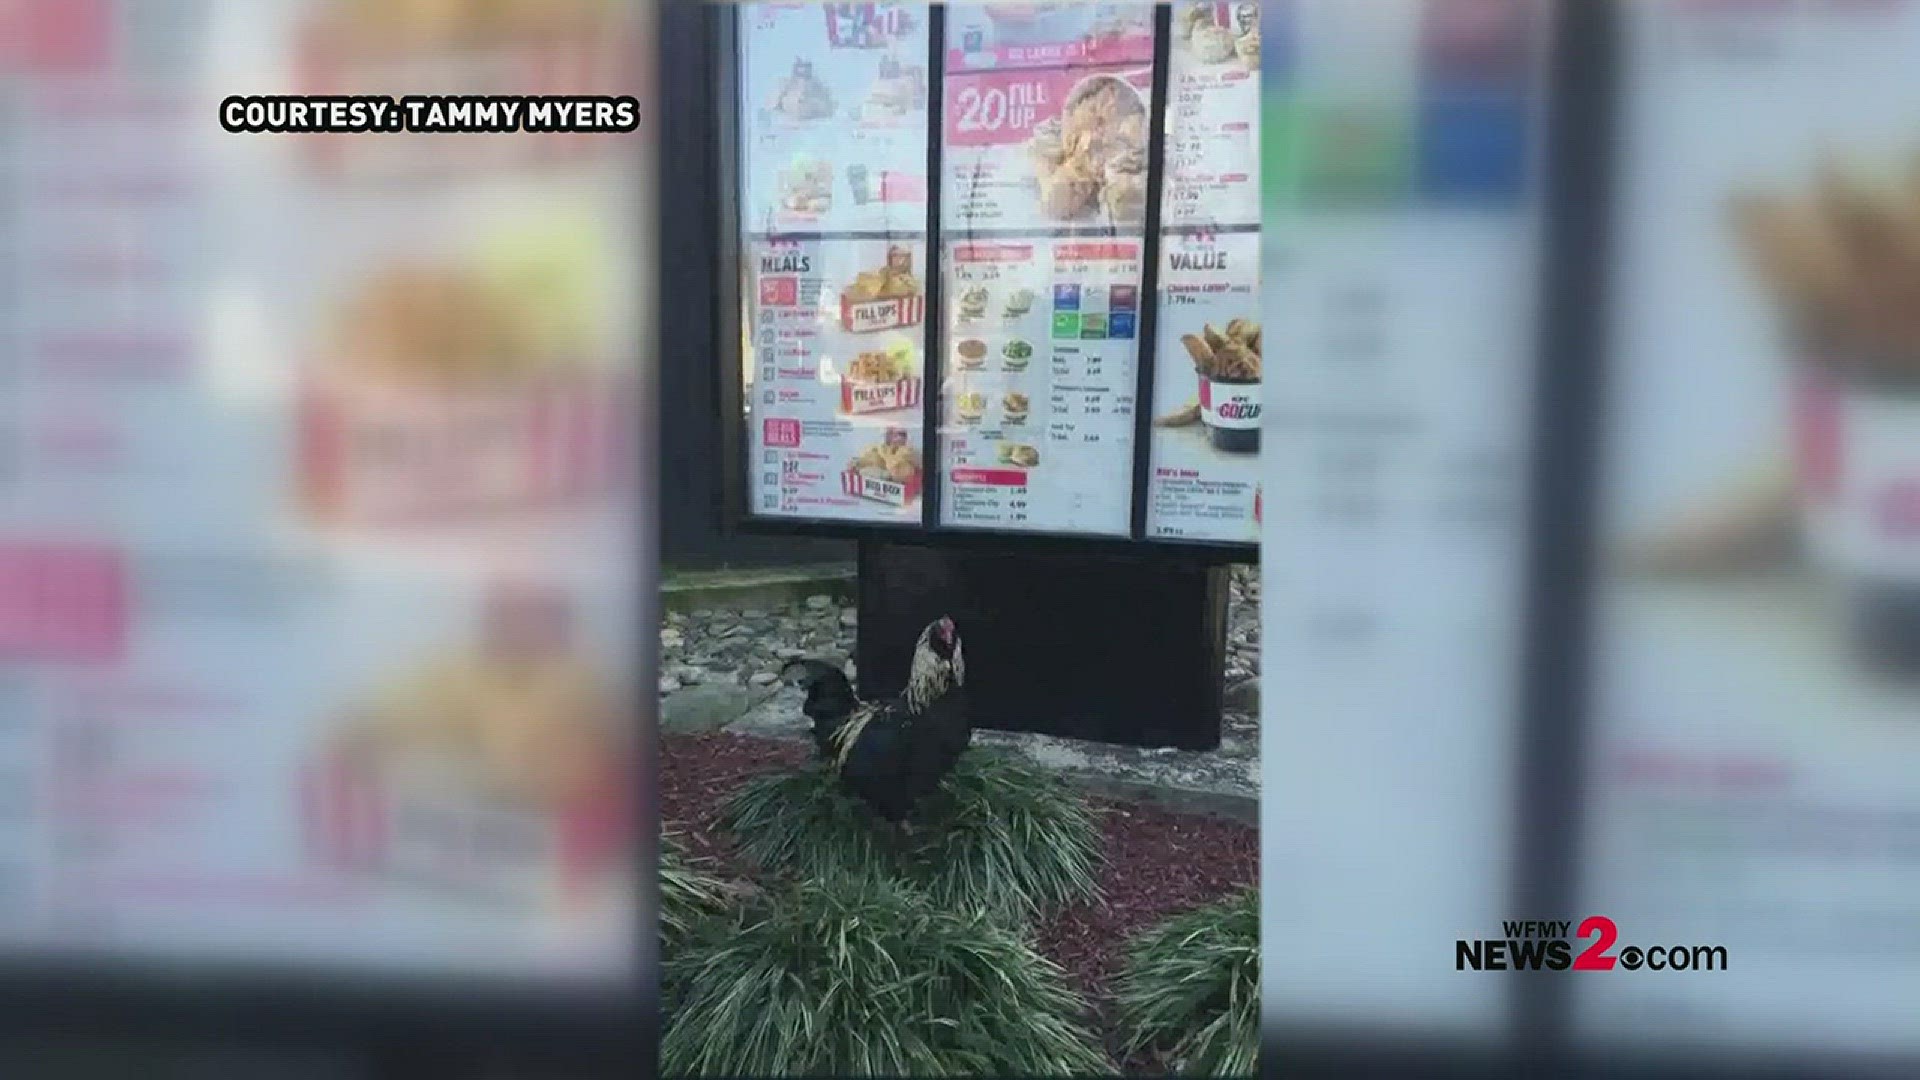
446 388
1841 264
492 775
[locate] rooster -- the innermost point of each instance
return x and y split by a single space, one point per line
892 754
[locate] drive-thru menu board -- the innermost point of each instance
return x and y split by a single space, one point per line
1044 129
833 162
1755 741
1206 396
1045 126
316 545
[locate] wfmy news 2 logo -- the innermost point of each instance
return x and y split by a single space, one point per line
1535 945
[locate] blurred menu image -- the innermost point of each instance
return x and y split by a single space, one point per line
1401 170
467 384
834 218
491 768
318 566
1759 649
431 47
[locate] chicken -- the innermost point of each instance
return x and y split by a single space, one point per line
892 755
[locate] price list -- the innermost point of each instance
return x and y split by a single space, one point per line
1408 398
1037 428
1213 117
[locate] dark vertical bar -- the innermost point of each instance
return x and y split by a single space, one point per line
934 361
683 300
1150 272
725 159
1572 349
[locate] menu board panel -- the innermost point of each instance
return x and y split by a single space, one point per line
317 542
1043 211
837 329
1204 483
1754 744
1213 116
1207 403
834 118
833 175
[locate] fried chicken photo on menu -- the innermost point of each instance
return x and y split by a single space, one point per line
1842 262
1196 29
892 459
1229 355
529 300
894 362
892 281
424 323
1098 141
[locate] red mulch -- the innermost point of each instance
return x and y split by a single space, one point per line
1158 862
696 770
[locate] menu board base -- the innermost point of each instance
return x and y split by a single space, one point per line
1056 644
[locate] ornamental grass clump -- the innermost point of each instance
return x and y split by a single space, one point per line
863 975
999 835
1190 990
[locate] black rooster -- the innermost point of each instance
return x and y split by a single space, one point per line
893 754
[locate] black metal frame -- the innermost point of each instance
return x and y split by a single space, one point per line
1563 491
738 515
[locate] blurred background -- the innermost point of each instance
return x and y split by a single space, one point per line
333 486
1668 680
326 532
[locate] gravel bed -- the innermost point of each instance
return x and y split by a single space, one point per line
748 647
1150 872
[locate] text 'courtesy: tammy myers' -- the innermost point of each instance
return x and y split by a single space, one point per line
428 114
